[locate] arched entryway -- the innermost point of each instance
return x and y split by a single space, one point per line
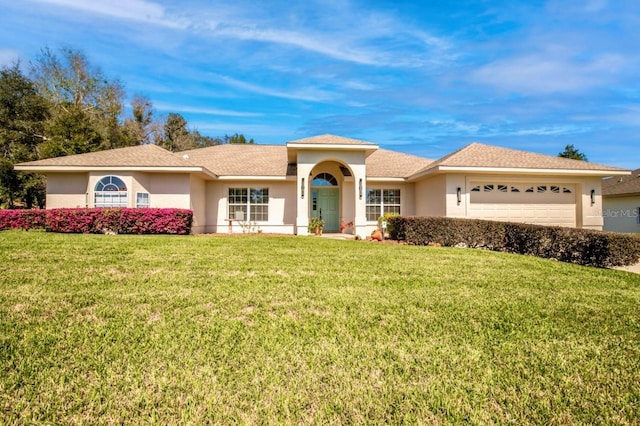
325 201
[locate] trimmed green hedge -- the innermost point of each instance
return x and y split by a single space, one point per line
581 246
99 221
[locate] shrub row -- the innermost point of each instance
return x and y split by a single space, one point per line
99 221
581 246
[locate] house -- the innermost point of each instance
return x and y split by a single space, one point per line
278 188
621 203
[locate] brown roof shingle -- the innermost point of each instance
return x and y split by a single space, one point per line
622 185
481 155
391 164
241 160
132 156
330 140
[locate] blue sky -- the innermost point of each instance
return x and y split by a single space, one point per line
424 78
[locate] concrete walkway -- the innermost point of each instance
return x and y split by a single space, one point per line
631 268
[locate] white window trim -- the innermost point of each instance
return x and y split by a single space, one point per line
148 204
247 206
121 196
382 204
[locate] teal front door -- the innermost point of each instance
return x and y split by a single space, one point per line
325 204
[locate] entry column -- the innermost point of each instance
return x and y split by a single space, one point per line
302 199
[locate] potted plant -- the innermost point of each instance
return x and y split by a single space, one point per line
316 225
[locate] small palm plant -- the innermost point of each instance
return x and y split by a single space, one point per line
316 225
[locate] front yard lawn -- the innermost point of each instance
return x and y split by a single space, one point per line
260 329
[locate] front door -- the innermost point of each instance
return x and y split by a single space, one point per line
325 205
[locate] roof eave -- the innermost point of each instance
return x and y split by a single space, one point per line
621 194
154 169
257 178
385 179
520 171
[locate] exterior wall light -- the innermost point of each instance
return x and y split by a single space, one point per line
459 195
593 196
302 189
360 188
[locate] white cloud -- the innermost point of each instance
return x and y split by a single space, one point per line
306 94
320 43
134 10
546 74
206 111
8 57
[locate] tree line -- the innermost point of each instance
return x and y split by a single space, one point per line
63 105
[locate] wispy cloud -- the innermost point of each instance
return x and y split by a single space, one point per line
305 94
319 43
134 10
541 73
8 57
205 111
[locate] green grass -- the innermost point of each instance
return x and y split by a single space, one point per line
259 329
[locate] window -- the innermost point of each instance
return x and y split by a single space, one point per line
324 179
142 200
249 204
381 201
110 191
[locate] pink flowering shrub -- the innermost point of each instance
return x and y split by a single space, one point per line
22 219
98 221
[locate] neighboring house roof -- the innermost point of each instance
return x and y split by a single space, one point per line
622 185
477 155
133 156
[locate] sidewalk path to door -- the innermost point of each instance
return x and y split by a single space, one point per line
631 268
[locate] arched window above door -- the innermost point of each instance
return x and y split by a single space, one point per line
324 179
110 191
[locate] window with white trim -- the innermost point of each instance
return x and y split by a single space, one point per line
381 201
110 191
249 204
142 200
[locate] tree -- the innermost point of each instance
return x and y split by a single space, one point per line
176 135
23 113
202 141
79 91
573 153
237 139
141 128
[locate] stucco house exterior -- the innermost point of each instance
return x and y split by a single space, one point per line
621 203
278 188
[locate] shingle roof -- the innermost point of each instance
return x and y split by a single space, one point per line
241 160
272 160
383 163
622 185
132 156
481 155
329 140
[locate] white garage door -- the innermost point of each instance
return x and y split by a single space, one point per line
543 204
